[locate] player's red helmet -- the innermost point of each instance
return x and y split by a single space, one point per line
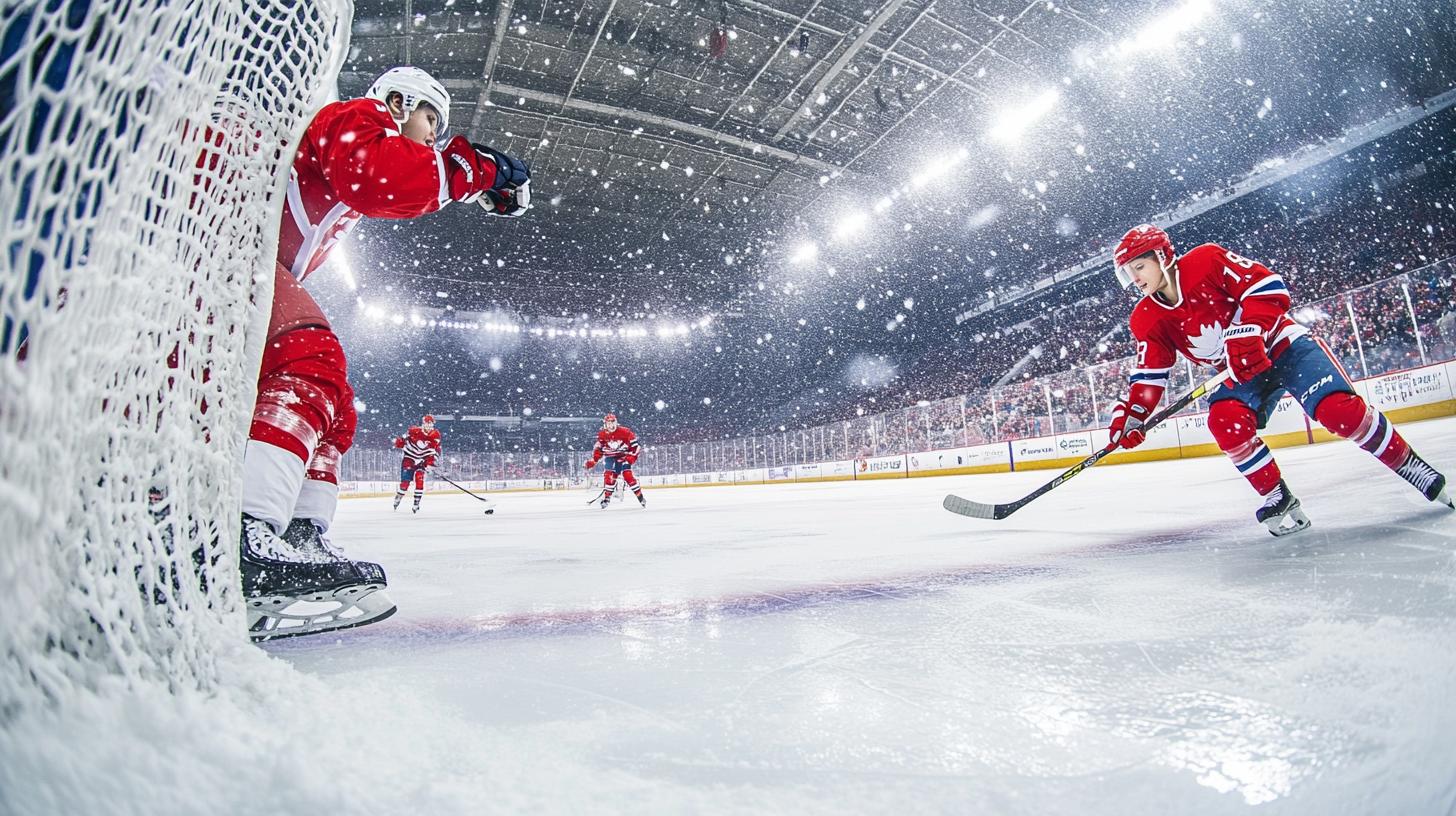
1139 241
429 419
609 418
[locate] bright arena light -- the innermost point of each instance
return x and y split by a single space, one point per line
340 261
851 225
1163 31
1015 121
805 252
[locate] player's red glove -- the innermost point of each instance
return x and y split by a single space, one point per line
590 463
629 460
1247 357
1127 425
429 461
467 176
399 441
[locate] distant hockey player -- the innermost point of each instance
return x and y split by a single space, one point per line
1220 309
421 446
619 448
374 156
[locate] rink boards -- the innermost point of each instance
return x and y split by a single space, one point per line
1405 396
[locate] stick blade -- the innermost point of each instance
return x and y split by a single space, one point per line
966 507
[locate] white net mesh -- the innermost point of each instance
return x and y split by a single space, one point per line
144 149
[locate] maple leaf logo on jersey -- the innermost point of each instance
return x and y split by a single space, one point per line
1207 345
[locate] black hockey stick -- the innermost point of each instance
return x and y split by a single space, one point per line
462 488
966 507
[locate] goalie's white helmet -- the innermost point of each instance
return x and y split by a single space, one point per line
415 86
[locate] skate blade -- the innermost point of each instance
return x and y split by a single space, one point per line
279 616
1291 522
1444 498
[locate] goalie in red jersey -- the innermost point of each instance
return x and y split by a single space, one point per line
1220 309
375 156
618 448
421 446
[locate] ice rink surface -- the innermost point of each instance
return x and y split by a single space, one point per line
1132 642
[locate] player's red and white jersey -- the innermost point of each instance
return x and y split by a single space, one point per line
419 444
1217 288
618 443
353 161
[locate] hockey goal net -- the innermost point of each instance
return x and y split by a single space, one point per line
144 151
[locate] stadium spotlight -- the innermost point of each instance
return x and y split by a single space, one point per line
805 252
1015 121
851 225
1163 31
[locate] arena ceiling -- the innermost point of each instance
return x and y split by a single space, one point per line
674 176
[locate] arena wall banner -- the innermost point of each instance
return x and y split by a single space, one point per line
752 476
825 471
1062 450
1429 386
989 458
881 467
781 474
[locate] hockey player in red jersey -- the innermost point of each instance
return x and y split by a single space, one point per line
375 156
617 447
421 446
1220 309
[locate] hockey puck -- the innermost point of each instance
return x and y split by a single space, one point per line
491 510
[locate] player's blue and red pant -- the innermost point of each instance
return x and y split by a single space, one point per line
1309 372
619 465
412 469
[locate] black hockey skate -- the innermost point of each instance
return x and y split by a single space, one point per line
397 497
606 501
1281 512
641 499
1425 478
299 584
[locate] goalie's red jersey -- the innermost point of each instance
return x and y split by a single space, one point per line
348 166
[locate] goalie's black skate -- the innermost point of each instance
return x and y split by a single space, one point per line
1425 478
299 584
1281 512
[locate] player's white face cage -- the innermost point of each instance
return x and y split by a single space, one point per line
416 87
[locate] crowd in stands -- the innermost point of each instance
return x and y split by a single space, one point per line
1343 244
1056 362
